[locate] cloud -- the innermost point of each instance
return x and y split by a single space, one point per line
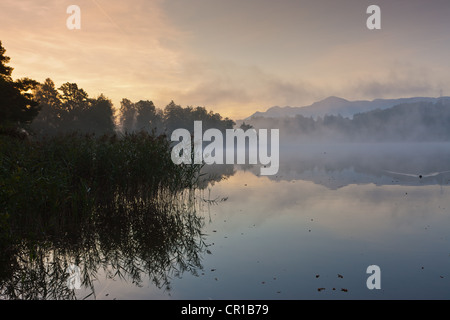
239 88
402 79
117 44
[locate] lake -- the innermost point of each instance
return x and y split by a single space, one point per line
309 232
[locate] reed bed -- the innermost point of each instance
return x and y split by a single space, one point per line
60 180
112 203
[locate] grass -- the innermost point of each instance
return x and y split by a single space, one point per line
64 178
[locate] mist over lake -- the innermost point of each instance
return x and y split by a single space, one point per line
311 231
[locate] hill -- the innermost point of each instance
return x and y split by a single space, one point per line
418 121
336 106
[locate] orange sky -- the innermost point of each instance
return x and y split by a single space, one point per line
232 56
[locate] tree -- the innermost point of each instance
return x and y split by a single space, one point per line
99 117
176 117
48 120
5 71
127 117
245 126
17 106
75 102
71 110
147 117
73 97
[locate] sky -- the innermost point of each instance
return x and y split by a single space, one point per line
234 57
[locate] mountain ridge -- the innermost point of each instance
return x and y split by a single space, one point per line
333 105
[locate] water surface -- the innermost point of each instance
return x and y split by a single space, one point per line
310 232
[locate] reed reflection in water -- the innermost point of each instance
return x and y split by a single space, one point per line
128 237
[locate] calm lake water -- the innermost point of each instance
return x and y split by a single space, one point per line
311 231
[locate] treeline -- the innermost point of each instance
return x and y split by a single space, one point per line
44 109
421 121
143 115
70 109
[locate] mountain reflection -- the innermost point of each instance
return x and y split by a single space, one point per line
338 165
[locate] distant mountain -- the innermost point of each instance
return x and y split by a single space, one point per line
337 106
423 120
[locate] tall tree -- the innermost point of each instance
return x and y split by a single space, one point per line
147 118
127 116
75 100
176 117
48 120
17 106
99 118
75 103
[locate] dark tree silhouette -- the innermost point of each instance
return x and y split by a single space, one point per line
74 103
17 106
71 110
245 126
99 117
176 117
148 118
48 120
127 117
